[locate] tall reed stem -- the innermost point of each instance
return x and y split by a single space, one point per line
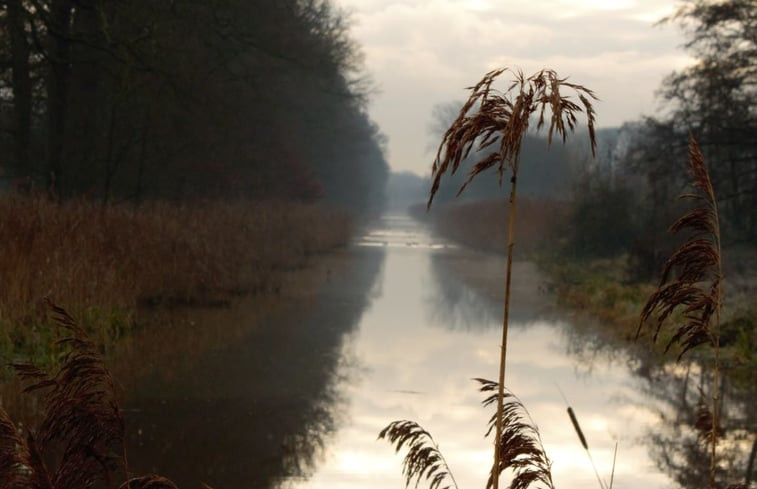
499 121
692 279
503 353
716 338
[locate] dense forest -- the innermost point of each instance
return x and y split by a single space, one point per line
130 100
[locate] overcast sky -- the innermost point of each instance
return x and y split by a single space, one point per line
420 53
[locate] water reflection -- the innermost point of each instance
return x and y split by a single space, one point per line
416 362
674 390
654 397
677 447
453 305
251 402
468 291
397 332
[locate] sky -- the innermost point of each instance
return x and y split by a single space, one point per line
422 53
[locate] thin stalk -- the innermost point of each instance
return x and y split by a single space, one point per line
614 457
715 402
716 341
444 461
125 463
503 353
582 439
596 472
750 464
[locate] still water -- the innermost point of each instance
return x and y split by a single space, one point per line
396 328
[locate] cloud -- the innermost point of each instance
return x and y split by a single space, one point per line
424 52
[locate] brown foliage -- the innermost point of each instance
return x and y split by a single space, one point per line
13 454
493 119
80 440
82 418
691 282
521 449
423 456
148 482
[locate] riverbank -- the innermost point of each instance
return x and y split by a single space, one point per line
104 263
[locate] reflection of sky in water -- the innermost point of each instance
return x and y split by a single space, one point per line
411 368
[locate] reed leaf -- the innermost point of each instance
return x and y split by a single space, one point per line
423 458
21 467
703 421
521 449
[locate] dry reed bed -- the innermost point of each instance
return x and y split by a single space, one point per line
102 262
482 224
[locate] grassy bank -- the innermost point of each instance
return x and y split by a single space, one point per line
104 262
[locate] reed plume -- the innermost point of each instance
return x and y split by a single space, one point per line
520 445
81 415
691 282
498 121
691 278
423 457
80 440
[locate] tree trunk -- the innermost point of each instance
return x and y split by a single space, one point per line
59 59
22 85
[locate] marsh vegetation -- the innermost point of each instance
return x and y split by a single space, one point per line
186 179
107 262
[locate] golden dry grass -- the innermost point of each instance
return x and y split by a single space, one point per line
481 224
102 262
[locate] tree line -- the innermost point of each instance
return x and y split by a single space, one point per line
622 200
186 99
715 100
